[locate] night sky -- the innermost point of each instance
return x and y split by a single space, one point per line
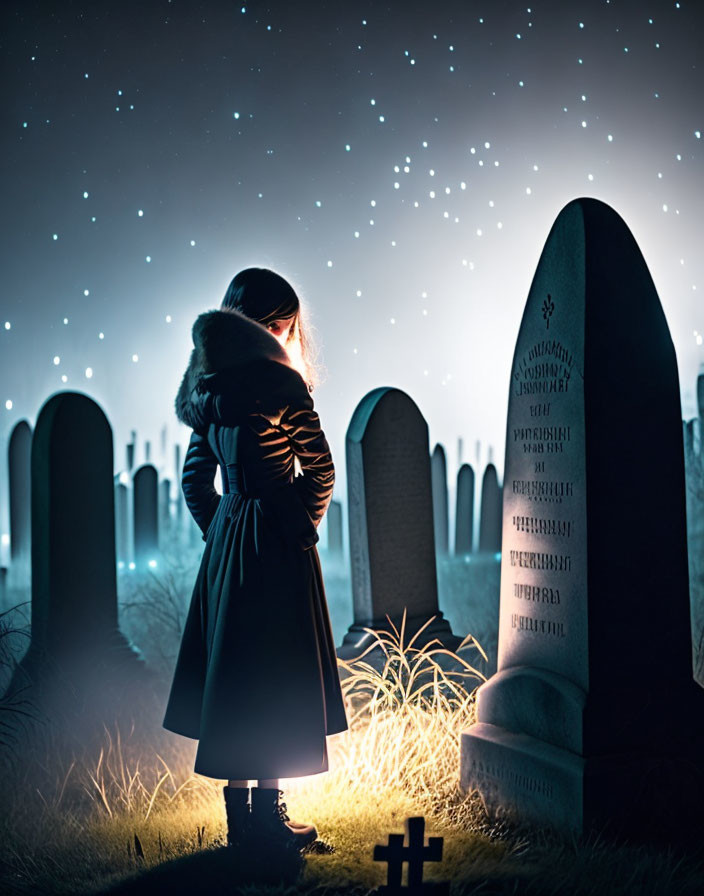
400 163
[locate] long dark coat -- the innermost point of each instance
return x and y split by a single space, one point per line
256 678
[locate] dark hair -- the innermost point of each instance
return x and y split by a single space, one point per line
264 296
261 295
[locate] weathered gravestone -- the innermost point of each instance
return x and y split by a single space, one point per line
165 506
333 516
390 513
464 510
19 473
122 539
694 469
593 718
178 471
78 662
490 512
438 472
692 440
145 515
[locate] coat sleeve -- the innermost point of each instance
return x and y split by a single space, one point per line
301 504
309 445
197 481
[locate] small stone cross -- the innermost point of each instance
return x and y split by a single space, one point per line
416 854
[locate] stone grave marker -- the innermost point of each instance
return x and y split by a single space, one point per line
178 470
334 527
19 470
692 439
490 512
145 515
164 504
78 660
593 719
438 468
122 536
464 512
390 514
694 468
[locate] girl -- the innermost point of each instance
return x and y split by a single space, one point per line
256 678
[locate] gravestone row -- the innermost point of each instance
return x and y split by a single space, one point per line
489 540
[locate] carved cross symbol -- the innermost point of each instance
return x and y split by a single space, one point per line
415 854
548 308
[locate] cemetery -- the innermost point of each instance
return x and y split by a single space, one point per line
521 654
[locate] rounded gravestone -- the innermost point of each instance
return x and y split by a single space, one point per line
145 515
333 518
490 512
390 514
78 664
464 513
164 506
438 470
121 523
19 470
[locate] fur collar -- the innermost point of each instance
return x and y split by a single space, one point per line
239 357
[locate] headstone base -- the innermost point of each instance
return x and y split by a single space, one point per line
79 692
357 640
652 798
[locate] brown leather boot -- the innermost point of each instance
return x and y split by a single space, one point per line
269 819
238 816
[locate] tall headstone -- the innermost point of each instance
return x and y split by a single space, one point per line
147 450
145 515
164 525
694 467
129 455
178 470
438 467
390 514
334 527
584 725
692 440
19 470
78 659
121 523
490 512
464 512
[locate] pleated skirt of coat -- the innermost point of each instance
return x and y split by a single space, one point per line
256 680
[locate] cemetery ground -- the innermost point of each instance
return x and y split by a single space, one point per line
125 814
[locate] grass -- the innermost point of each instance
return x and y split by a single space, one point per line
128 815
